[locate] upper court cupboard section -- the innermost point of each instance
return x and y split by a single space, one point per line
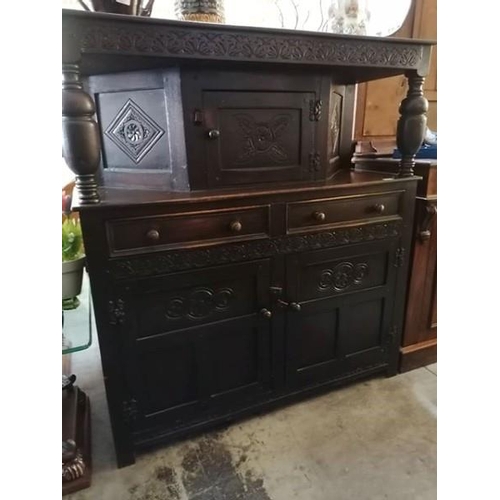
184 106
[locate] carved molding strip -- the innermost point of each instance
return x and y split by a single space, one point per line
315 110
314 161
181 260
97 35
130 411
335 105
116 312
400 257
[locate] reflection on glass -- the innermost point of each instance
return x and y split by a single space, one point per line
367 17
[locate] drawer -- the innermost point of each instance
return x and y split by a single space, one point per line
307 215
187 230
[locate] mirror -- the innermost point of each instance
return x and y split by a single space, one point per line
362 17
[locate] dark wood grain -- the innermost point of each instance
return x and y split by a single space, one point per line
342 210
183 231
411 124
236 260
419 335
106 34
81 145
419 345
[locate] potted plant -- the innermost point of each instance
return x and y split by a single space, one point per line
73 254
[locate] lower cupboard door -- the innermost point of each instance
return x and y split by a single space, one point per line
189 374
334 337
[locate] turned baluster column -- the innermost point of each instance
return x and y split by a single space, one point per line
81 143
412 124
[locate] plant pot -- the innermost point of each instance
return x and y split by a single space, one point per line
72 276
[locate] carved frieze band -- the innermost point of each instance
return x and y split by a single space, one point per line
191 259
170 40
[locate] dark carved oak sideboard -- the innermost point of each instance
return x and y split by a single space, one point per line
237 261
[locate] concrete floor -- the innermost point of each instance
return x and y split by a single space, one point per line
370 441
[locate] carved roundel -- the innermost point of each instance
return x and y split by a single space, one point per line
134 132
360 272
175 308
200 303
342 276
325 280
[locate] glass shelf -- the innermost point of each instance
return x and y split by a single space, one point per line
77 323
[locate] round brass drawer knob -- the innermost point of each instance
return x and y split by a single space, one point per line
266 313
235 226
319 216
379 208
295 306
213 134
153 235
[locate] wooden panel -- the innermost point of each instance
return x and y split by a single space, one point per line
420 331
381 111
183 375
326 212
262 126
141 146
422 284
418 355
433 315
362 327
188 299
425 27
264 136
159 362
343 319
336 335
432 113
203 342
239 362
171 231
328 273
378 101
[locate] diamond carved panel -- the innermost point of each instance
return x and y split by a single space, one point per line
134 132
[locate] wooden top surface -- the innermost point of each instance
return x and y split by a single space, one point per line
92 38
110 197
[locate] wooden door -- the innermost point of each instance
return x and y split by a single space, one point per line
196 341
419 343
340 317
259 136
251 126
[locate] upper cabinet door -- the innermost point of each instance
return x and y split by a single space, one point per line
255 137
253 127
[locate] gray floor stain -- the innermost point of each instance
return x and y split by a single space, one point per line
207 472
373 440
167 476
223 479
